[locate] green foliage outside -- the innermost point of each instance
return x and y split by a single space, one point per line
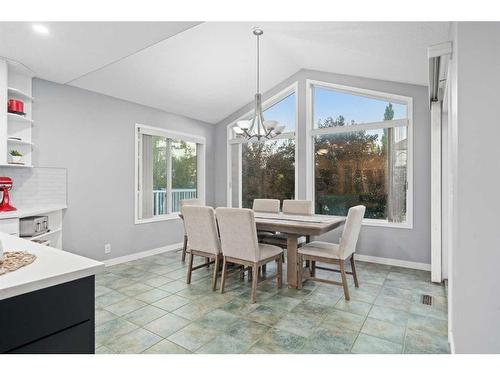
268 170
350 169
183 164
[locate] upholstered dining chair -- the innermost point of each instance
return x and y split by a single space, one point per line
269 206
297 207
182 203
290 207
240 245
338 254
266 205
201 228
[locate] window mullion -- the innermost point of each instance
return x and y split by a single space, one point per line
360 127
168 193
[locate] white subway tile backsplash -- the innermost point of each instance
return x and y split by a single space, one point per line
37 186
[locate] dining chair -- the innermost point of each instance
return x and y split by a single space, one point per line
268 206
297 207
182 203
240 245
338 254
291 207
201 228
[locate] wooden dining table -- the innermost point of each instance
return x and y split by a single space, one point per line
294 226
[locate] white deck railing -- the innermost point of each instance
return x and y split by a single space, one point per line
159 204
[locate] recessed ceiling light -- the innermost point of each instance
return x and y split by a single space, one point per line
40 29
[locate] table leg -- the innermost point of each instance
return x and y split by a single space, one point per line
291 261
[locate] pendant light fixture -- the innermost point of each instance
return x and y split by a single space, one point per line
257 127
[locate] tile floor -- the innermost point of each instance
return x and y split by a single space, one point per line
145 306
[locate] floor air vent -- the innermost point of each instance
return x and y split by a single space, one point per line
427 299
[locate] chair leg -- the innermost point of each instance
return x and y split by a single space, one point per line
264 269
207 262
250 278
214 275
344 280
313 268
190 268
301 271
242 273
283 257
223 277
280 272
354 274
184 248
253 297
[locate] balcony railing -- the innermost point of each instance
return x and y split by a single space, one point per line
159 204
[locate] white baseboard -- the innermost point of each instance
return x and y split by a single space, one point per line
451 341
393 262
142 254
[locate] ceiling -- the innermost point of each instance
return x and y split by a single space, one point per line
207 70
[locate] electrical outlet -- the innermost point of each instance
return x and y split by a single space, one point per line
107 248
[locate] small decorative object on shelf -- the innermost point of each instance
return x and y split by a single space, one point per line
17 157
16 106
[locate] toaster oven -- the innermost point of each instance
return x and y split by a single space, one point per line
33 226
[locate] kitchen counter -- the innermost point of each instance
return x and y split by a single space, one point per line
31 211
52 267
48 305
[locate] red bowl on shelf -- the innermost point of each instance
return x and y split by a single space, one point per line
15 106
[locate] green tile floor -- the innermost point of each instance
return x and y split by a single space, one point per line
145 306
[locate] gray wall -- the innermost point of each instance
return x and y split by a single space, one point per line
403 244
92 136
474 295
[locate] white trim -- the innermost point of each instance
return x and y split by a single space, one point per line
200 168
154 219
312 132
385 223
173 134
360 127
229 159
451 341
142 254
276 98
436 248
393 262
393 98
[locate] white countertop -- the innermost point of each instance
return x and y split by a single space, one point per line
52 267
30 211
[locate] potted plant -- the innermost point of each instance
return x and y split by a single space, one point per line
16 156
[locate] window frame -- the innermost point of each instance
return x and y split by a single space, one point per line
170 134
312 133
287 91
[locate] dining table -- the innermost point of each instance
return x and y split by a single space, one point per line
295 226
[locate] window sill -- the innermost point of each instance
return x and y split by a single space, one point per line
386 224
172 216
380 223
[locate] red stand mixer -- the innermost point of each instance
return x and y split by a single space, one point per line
5 186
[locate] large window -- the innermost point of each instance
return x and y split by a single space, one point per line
361 153
266 169
167 171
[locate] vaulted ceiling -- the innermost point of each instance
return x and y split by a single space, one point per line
207 70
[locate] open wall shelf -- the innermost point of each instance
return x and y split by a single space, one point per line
19 118
16 93
15 129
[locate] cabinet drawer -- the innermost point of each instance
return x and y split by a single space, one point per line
32 316
78 339
9 226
